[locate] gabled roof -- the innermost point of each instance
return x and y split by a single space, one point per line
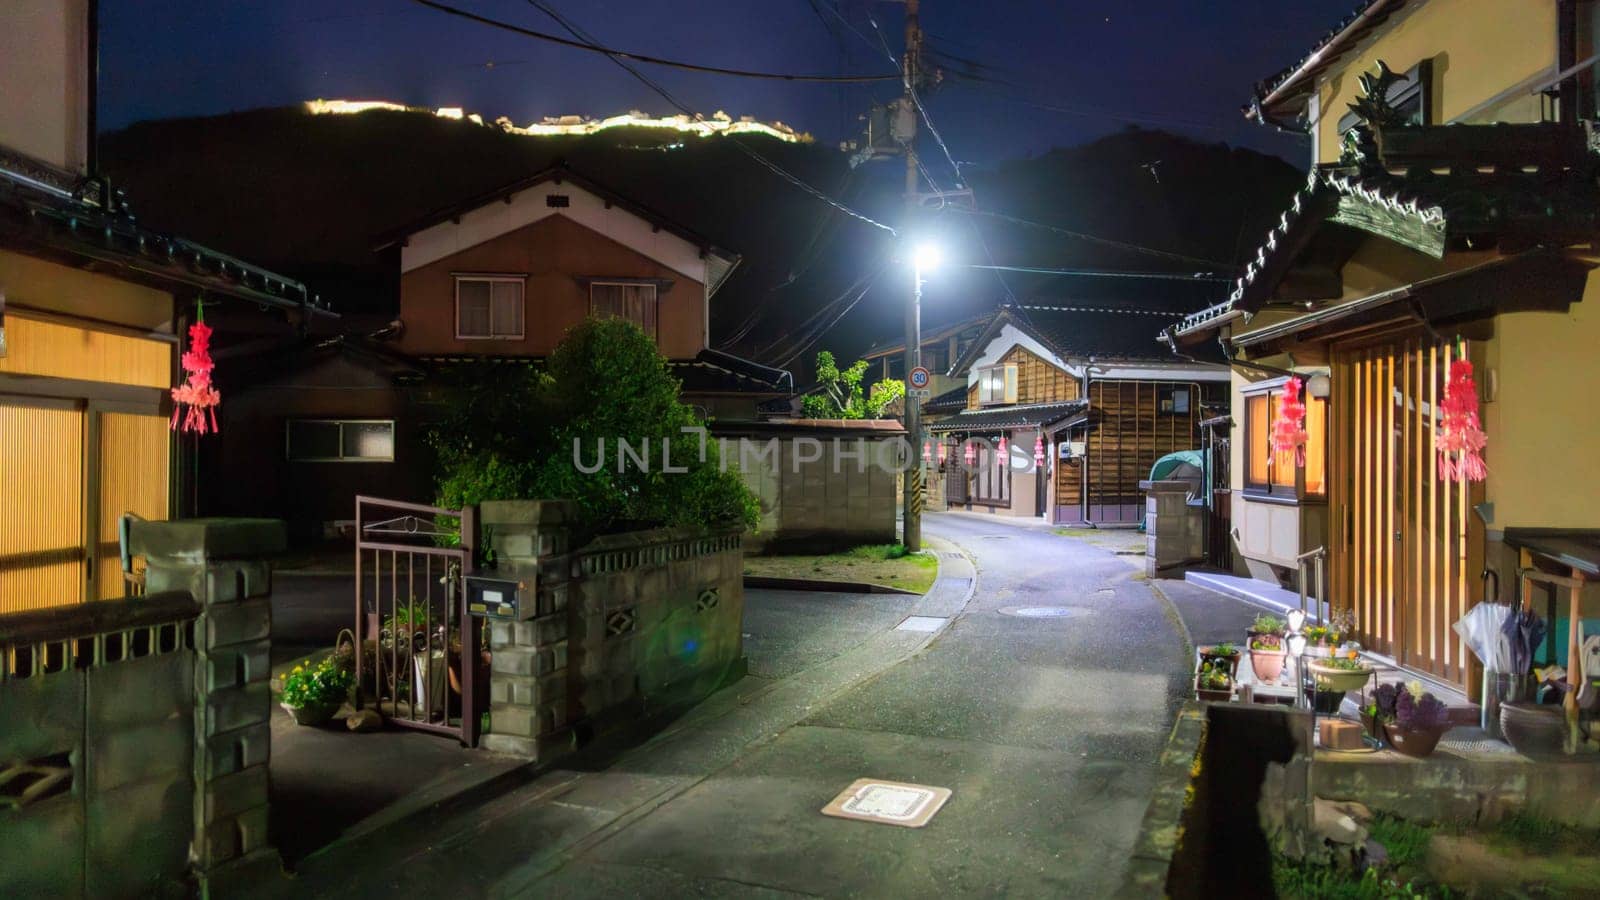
1085 332
1431 189
1279 99
890 346
714 371
88 224
559 173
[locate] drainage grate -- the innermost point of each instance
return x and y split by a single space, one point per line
951 554
1045 612
927 624
888 802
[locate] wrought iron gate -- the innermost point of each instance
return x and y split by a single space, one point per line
419 654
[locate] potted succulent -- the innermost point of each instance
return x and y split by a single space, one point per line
312 694
1213 682
1224 654
1266 647
1409 718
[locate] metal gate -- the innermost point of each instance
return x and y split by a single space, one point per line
419 660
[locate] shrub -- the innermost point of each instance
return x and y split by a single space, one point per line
605 381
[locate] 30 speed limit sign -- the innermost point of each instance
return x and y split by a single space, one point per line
919 378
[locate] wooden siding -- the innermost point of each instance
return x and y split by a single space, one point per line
134 455
1038 381
52 349
1128 435
41 508
1404 551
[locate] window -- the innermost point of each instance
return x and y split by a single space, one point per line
625 300
489 307
997 384
1174 401
1273 473
336 440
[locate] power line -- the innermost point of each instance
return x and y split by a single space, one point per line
684 108
911 89
1121 245
1108 273
584 44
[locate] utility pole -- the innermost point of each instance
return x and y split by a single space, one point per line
912 501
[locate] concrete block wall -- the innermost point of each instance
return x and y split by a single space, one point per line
625 621
1174 530
221 562
832 501
96 715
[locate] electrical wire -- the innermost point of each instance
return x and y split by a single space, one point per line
586 44
686 110
1121 245
1108 273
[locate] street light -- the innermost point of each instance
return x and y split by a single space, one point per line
927 256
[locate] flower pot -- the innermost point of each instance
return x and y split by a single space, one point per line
1325 702
312 713
1268 664
1231 660
1332 678
1535 731
1374 728
1213 695
1417 743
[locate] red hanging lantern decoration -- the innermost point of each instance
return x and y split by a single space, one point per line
971 454
1000 448
944 451
1289 429
197 392
927 451
1461 439
1038 450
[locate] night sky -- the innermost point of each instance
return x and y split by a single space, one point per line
1184 65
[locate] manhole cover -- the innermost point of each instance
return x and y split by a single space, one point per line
888 802
1044 612
921 623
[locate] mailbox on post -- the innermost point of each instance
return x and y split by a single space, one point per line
497 598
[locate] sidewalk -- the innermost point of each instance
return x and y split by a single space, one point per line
503 834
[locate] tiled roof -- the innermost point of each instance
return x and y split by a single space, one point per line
996 418
89 224
1078 332
714 371
1273 95
1427 211
955 398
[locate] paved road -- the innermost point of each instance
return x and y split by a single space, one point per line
1046 729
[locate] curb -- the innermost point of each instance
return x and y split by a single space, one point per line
818 584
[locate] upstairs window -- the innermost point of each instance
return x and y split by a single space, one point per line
629 300
340 440
1174 401
489 307
997 384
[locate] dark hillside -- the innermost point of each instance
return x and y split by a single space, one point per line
310 195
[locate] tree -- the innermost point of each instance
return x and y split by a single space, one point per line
606 382
841 396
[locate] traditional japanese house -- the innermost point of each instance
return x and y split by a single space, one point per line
497 279
1066 409
1450 214
93 309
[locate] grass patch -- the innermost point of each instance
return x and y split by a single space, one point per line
1405 842
1529 834
1307 881
883 564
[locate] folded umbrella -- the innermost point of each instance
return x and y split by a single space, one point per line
1482 630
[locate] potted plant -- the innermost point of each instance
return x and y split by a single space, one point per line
1410 719
1341 672
1317 641
1224 654
312 694
1266 647
1213 682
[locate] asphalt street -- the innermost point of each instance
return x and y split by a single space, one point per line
1045 727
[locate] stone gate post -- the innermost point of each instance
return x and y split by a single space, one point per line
223 564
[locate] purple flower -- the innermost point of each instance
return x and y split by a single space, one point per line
1386 698
1426 714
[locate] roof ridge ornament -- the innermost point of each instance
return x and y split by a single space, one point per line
1360 146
